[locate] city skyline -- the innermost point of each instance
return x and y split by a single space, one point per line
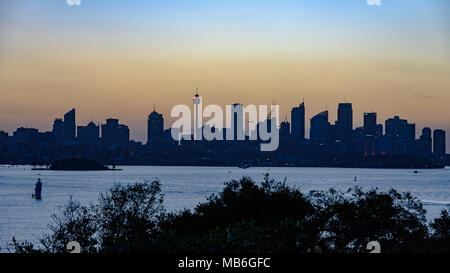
167 121
71 128
391 59
392 144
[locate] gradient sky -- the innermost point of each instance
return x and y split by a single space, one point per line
112 58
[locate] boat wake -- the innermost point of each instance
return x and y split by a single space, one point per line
435 203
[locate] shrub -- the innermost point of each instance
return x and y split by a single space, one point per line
123 220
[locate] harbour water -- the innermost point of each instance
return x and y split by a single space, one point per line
27 218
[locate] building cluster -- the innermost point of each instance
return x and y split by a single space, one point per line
398 136
110 142
66 139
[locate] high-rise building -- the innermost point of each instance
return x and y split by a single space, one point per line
370 124
27 136
319 128
58 132
123 135
370 133
198 116
155 127
285 129
69 125
397 127
379 130
409 131
344 124
115 134
426 141
384 144
403 135
88 134
332 133
3 143
298 122
439 142
110 132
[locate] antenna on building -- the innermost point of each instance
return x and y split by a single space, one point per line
248 123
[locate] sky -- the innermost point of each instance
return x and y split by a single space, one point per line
117 58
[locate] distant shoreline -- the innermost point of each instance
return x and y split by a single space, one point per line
338 161
237 166
47 169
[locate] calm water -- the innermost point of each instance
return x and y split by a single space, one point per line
26 218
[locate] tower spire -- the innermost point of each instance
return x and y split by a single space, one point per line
197 116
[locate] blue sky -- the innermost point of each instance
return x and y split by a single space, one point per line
322 50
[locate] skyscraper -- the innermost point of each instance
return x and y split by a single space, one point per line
58 132
439 142
115 134
397 127
379 130
123 135
319 128
3 143
88 134
155 126
426 141
402 133
298 122
344 124
69 125
27 136
285 129
370 132
198 116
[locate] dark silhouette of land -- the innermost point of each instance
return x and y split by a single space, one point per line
77 164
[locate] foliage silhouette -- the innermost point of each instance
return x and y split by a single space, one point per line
247 218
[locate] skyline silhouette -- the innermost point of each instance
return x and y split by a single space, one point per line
396 136
140 134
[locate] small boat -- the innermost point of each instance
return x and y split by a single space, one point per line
37 190
244 166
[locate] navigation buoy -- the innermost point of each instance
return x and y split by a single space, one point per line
37 189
